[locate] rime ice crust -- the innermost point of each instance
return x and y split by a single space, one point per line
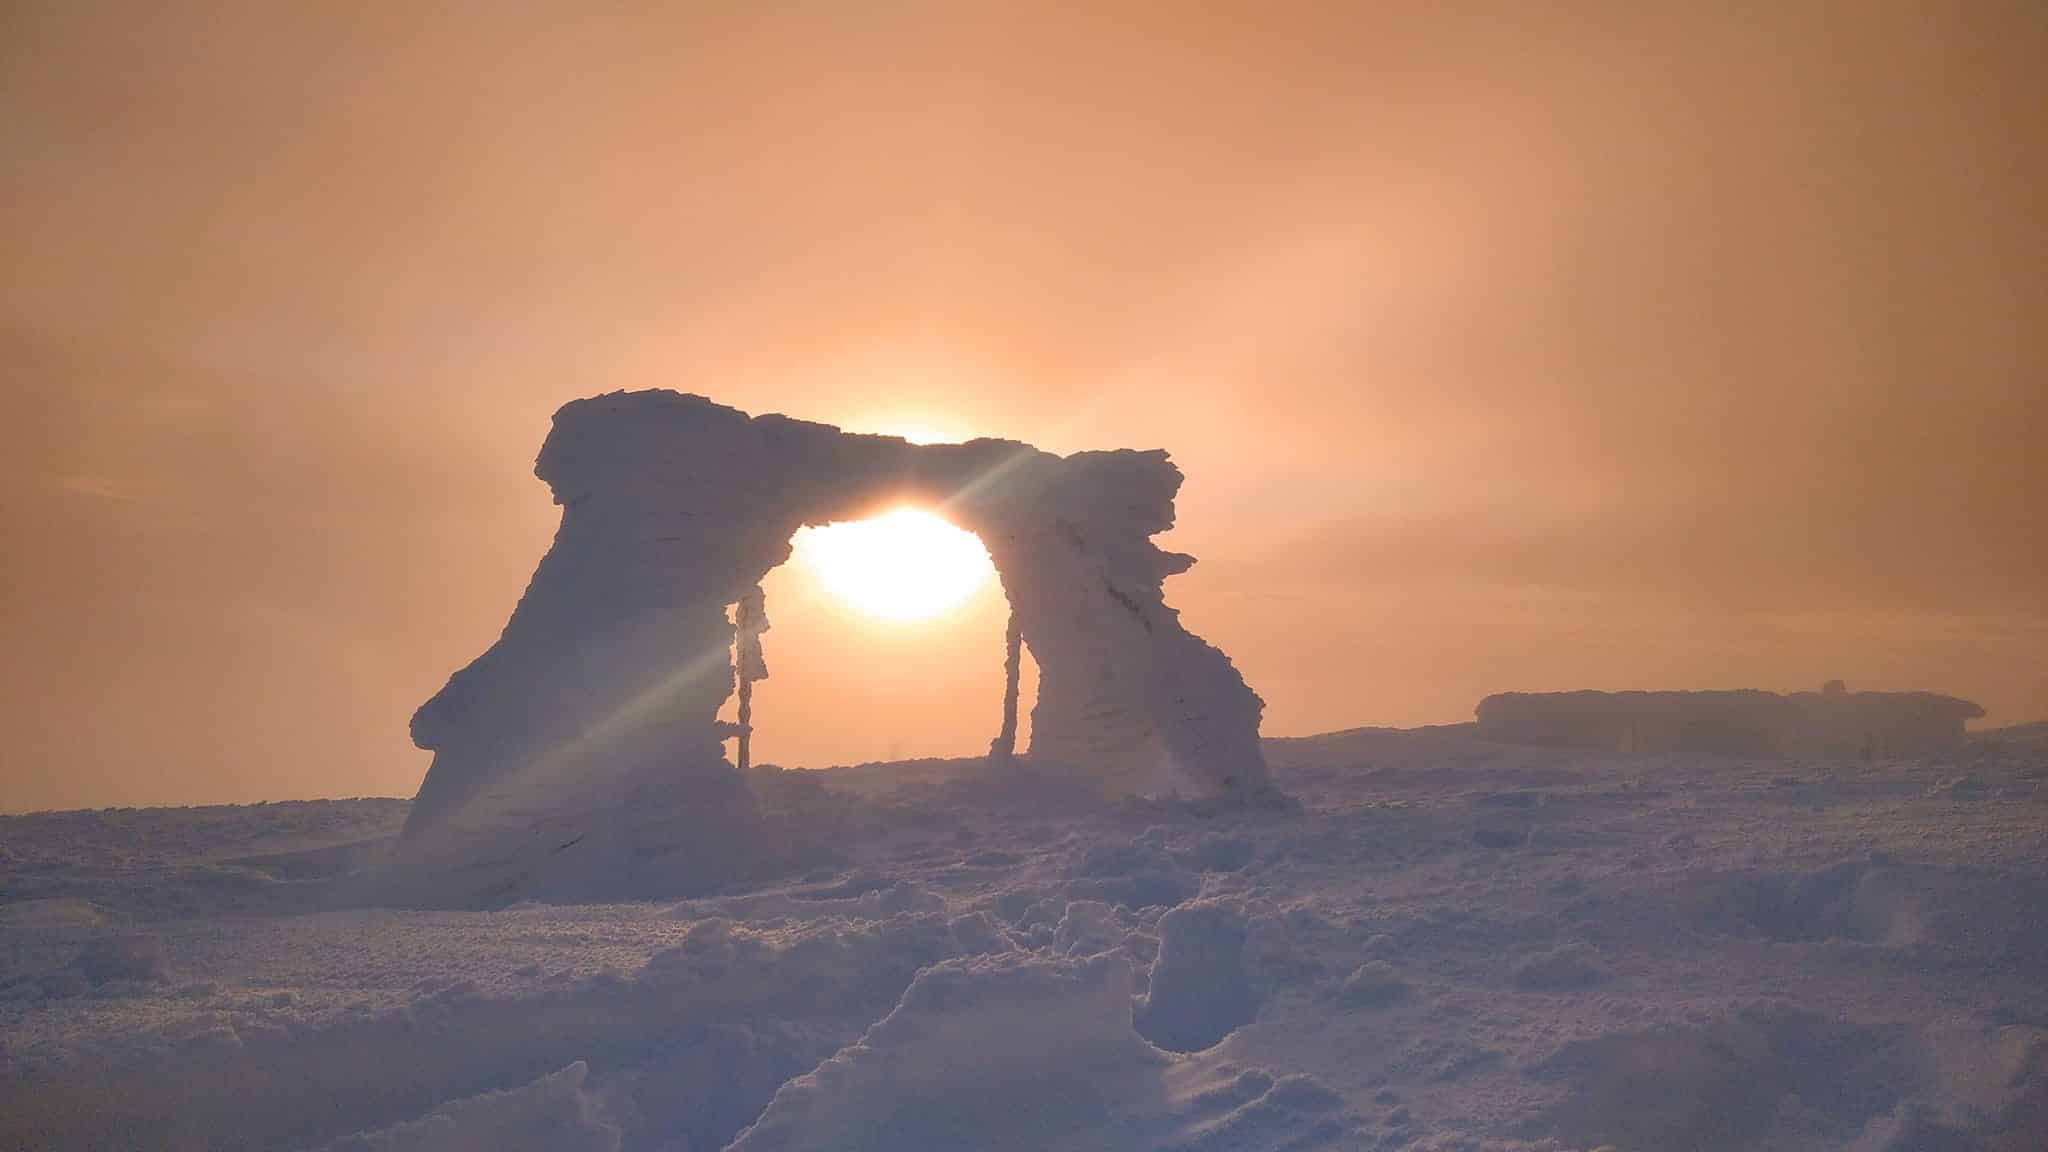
581 755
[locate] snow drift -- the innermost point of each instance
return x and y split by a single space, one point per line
985 1053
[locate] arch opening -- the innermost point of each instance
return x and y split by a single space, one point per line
888 643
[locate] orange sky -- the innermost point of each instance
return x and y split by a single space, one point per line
1541 346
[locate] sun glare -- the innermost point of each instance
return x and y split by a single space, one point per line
903 565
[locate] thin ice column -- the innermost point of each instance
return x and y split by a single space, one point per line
1004 746
750 619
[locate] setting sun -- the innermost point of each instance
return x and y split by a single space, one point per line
906 564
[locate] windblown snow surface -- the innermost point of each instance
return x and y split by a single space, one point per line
1450 945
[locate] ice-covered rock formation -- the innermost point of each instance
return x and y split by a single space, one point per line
1832 723
581 754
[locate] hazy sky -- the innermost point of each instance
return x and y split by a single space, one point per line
1504 346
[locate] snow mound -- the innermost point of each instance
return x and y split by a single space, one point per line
1200 991
1571 966
1135 874
1375 983
991 1054
1892 906
1259 1110
130 956
1768 1078
1773 1077
692 1046
51 915
552 1114
1088 927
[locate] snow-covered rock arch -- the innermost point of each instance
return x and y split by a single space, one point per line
581 755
